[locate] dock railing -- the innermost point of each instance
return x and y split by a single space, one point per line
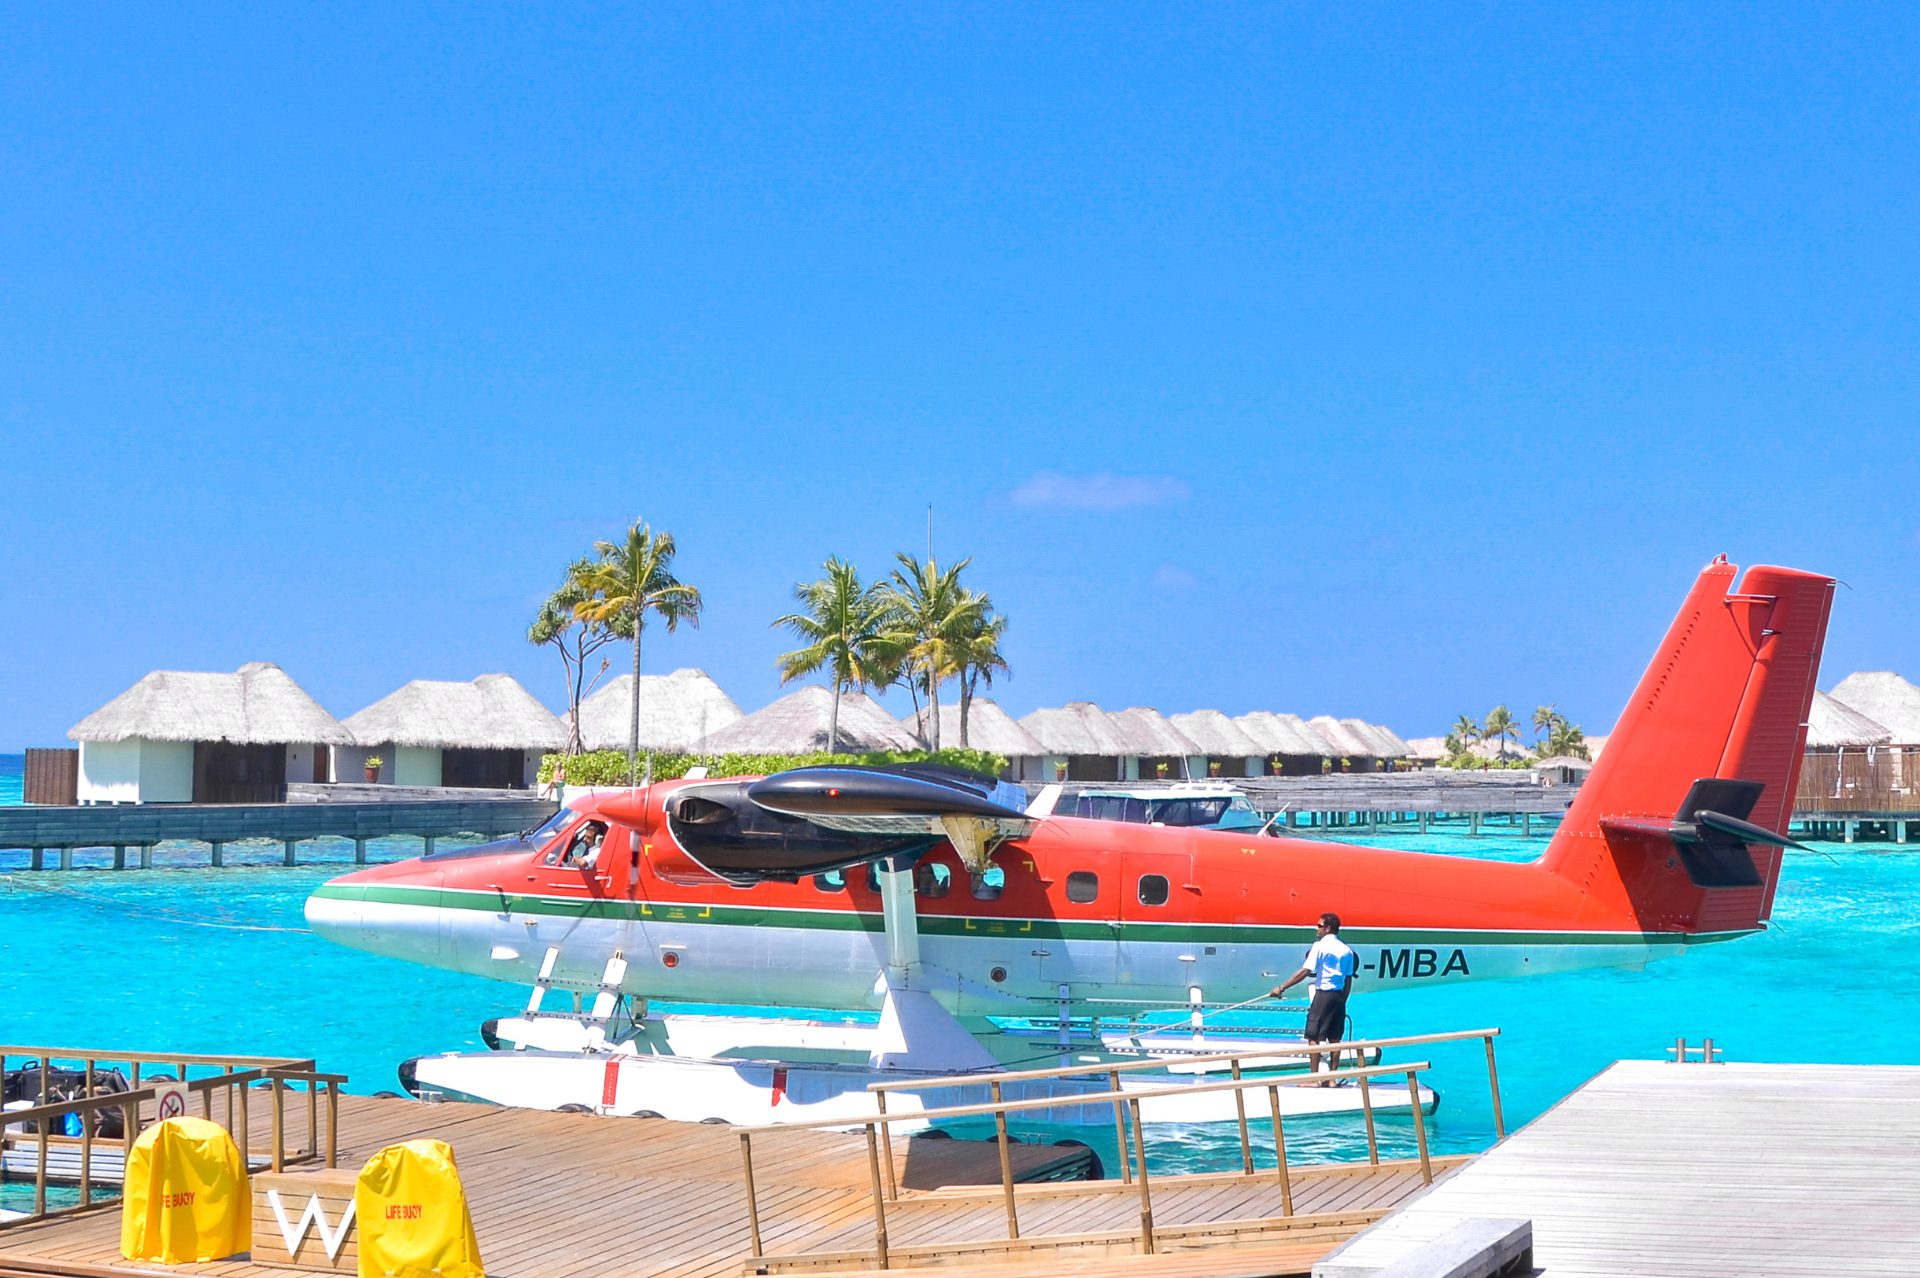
34 1139
1236 1063
1127 1126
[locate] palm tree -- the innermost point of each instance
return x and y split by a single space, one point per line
630 579
1468 732
980 656
1545 719
1566 739
840 624
927 614
1500 726
556 626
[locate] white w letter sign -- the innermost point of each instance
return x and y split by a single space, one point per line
314 1217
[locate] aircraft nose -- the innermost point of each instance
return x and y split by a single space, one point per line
337 912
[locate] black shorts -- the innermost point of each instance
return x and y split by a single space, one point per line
1327 1016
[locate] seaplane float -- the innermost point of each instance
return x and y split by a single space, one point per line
988 936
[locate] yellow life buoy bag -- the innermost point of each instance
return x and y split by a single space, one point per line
186 1195
411 1213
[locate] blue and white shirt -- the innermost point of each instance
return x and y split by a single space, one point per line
1331 960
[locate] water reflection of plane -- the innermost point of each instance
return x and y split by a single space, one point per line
919 894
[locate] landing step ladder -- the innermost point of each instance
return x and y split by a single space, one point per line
606 1000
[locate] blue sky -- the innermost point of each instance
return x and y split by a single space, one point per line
1389 361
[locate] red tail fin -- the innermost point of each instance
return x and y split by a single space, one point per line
1726 697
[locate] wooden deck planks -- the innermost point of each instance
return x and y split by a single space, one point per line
1695 1170
568 1195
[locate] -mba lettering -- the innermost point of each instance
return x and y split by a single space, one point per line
1417 962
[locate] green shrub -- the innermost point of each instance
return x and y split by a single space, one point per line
609 767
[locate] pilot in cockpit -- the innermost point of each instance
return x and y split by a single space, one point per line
584 851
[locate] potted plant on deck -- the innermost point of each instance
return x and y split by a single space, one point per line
374 764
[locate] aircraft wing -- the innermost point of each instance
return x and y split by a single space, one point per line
909 801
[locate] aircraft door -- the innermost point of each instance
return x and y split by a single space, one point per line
1159 953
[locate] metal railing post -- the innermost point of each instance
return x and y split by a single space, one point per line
753 1207
1280 1150
1006 1163
879 1197
1419 1126
1493 1082
886 1144
1366 1104
1146 1195
1240 1109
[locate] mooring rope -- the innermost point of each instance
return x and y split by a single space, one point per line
127 907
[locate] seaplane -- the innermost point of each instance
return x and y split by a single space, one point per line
932 911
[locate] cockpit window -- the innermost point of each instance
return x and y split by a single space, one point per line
831 881
548 828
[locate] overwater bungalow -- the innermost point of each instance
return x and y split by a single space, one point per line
1292 748
1854 761
677 712
798 723
1156 750
1082 743
1225 748
488 734
1350 749
1388 748
988 728
193 737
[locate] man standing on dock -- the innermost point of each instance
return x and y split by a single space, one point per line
1330 965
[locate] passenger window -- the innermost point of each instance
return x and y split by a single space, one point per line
1082 887
989 886
1153 889
831 881
932 880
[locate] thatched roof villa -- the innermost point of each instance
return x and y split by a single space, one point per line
1855 760
1154 745
1886 699
797 724
192 737
988 728
677 712
1222 744
1081 736
1299 749
1834 725
487 734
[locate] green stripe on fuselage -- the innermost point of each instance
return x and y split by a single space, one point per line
950 925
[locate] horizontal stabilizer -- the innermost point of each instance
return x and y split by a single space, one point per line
1712 845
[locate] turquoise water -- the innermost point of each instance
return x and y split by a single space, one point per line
12 771
219 961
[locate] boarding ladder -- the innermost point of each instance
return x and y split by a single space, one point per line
607 998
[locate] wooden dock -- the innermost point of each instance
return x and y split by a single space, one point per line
1694 1170
568 1195
136 828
